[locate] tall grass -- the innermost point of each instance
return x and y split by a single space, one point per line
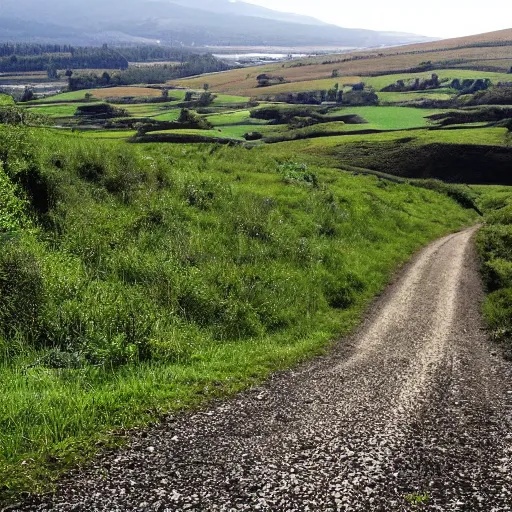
144 279
495 246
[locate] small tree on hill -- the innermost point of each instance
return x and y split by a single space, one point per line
28 94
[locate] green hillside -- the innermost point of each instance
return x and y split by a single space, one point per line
141 279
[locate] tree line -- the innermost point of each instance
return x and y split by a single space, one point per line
82 58
16 58
158 74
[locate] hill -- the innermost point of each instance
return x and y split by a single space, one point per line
490 52
197 23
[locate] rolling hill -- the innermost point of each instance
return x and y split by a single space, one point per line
490 52
190 23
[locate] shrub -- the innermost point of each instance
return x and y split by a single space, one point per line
21 291
294 172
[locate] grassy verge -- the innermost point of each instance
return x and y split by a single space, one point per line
136 280
495 246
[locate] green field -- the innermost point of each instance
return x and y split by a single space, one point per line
56 110
403 97
447 75
389 118
485 136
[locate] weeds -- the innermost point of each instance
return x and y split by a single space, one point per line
417 499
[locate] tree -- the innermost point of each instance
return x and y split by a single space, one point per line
206 87
335 73
69 73
51 70
205 99
88 96
28 95
165 93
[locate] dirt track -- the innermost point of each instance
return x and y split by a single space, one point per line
416 401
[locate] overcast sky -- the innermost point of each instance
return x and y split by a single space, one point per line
440 18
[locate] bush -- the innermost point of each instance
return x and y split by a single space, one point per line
294 172
12 208
21 291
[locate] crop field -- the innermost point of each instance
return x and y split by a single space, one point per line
445 75
496 137
124 92
405 97
320 78
56 110
109 92
390 118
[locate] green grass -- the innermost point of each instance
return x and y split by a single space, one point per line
56 110
236 123
389 118
155 277
484 136
415 153
170 115
63 97
379 82
404 97
232 117
110 134
6 100
226 99
495 247
189 131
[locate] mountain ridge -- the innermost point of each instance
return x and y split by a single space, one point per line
180 22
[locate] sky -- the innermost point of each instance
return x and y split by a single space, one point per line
436 18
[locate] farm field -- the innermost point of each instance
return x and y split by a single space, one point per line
244 81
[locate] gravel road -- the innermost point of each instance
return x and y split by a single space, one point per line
417 401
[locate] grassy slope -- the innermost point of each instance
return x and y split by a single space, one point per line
6 100
182 273
332 145
495 246
319 77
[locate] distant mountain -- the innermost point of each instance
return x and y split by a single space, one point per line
245 9
185 22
